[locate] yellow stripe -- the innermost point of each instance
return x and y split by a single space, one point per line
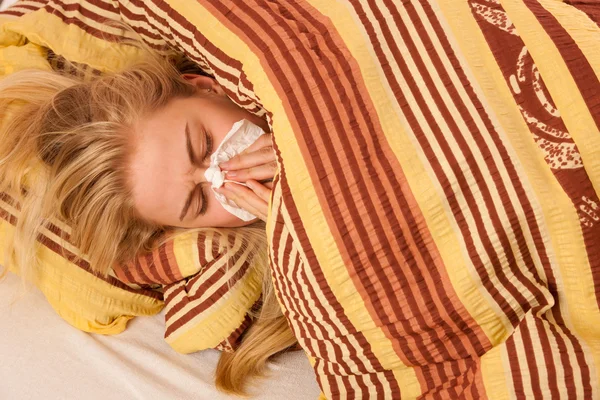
185 251
560 83
495 373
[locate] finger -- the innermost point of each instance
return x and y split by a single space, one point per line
268 184
245 198
265 140
261 190
240 202
258 173
260 156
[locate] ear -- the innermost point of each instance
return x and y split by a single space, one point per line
204 84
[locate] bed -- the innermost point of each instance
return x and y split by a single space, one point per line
45 358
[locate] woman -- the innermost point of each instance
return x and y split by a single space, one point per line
121 158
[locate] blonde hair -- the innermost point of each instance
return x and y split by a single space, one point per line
63 157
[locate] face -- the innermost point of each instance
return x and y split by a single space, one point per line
171 152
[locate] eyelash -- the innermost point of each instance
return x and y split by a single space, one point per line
209 144
201 196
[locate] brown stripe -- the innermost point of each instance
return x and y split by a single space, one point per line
123 273
173 325
515 367
533 374
149 268
169 263
140 270
13 13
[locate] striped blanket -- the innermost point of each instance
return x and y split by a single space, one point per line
435 223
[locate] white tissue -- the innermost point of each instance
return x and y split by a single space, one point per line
242 134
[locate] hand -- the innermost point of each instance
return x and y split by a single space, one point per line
254 198
257 162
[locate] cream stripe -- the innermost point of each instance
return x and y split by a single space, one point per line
559 81
208 243
560 372
524 367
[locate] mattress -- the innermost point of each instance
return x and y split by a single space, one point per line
45 358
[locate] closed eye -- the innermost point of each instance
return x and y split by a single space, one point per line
201 203
209 145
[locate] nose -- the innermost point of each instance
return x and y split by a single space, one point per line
198 175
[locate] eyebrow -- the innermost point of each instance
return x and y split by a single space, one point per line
192 156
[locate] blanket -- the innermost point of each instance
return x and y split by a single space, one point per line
434 225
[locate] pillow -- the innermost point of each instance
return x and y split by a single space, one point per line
211 278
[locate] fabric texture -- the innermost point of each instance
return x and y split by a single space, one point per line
434 225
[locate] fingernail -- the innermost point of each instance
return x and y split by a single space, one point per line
250 184
231 173
224 165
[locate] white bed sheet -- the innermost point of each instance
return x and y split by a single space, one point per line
42 357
